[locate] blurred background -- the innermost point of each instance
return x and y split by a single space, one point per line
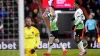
34 9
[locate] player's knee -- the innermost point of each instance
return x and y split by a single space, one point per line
51 39
77 39
50 44
93 39
88 39
56 40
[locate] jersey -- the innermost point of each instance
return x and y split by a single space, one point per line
79 17
91 24
30 36
53 22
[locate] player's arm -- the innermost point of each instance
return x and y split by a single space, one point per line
45 12
52 12
86 26
80 17
96 26
37 38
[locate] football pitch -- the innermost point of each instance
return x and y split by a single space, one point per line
55 52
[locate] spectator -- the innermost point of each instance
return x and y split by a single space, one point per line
34 8
30 14
99 3
27 11
93 5
97 16
91 28
42 29
3 13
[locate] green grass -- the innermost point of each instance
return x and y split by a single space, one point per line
9 53
71 52
55 52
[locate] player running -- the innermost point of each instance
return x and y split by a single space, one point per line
32 38
79 26
53 36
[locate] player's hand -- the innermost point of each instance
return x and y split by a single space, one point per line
32 51
72 19
73 27
81 37
86 33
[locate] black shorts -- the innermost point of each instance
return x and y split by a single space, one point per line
79 32
55 33
92 33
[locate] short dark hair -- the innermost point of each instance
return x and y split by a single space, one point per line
53 7
77 2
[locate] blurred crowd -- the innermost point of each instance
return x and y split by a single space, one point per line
93 9
9 15
92 6
32 10
8 18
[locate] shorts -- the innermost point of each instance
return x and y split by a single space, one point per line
54 33
79 32
79 35
92 33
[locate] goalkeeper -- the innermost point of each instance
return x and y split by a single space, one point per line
31 38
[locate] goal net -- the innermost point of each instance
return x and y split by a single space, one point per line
11 19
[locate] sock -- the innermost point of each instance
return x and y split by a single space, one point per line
81 46
62 46
92 44
89 44
50 48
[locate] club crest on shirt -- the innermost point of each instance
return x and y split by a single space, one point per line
32 32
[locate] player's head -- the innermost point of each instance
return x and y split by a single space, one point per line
76 4
52 7
28 21
90 16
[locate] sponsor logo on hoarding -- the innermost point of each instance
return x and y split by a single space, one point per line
45 45
4 45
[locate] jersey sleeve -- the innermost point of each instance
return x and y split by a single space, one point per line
37 37
79 16
86 24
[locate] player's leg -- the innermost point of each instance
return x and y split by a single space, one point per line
55 33
27 52
51 39
79 42
94 34
89 39
61 45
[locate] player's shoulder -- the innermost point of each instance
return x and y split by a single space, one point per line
34 28
87 20
25 27
94 20
79 10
